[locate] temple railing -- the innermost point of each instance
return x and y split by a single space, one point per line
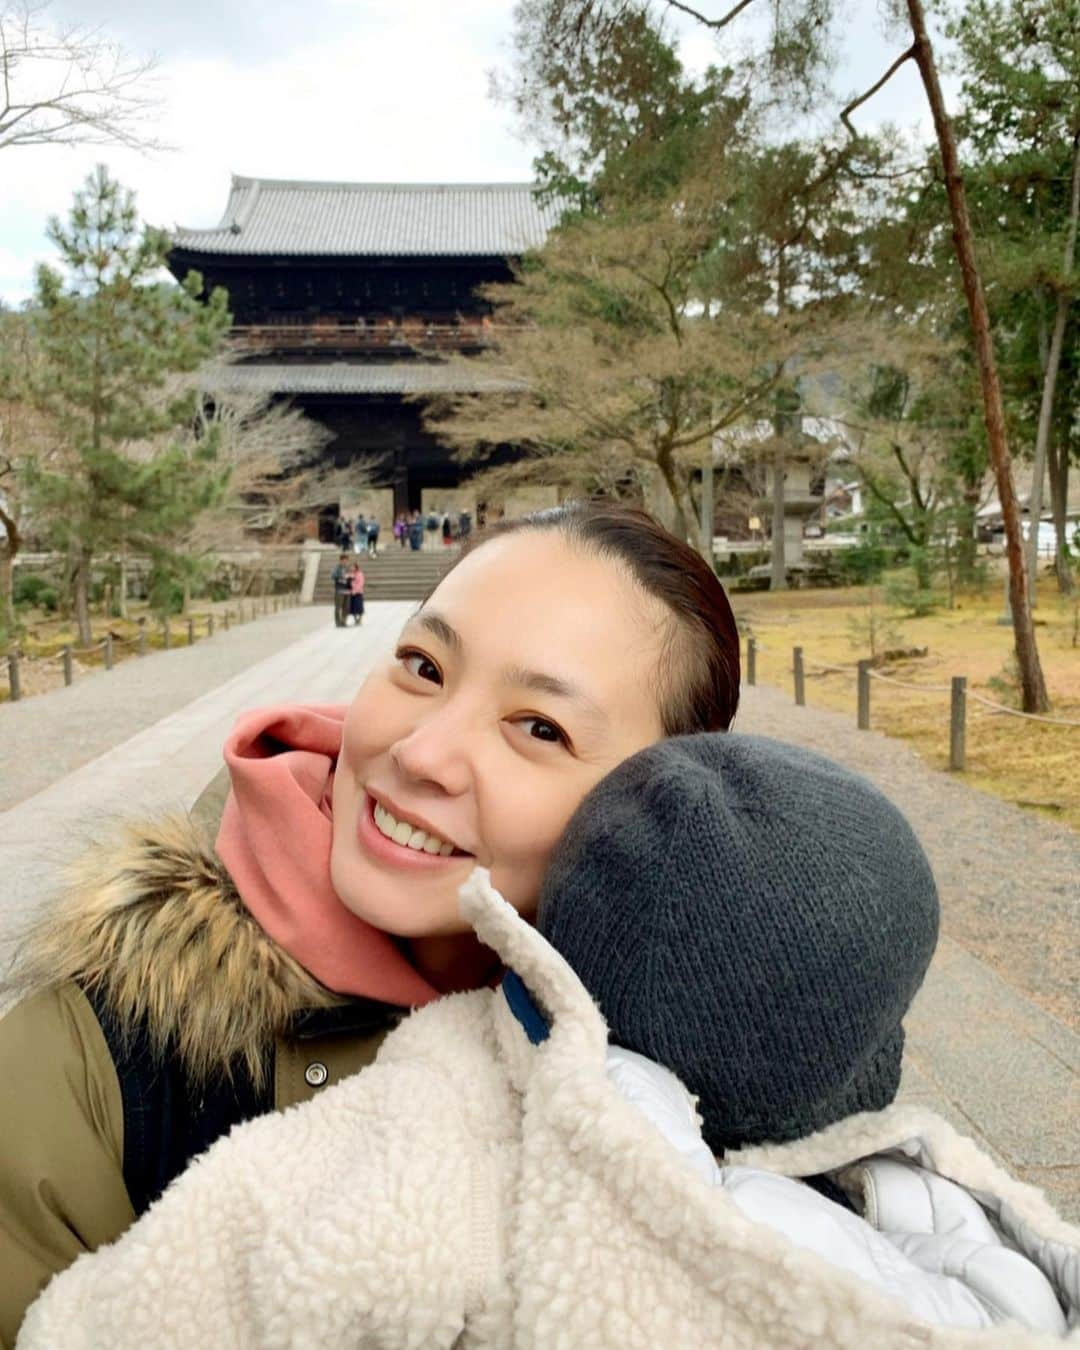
407 335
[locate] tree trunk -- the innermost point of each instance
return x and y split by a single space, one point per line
122 596
708 499
924 577
7 587
8 549
81 590
686 526
1032 683
1057 460
781 425
949 560
186 610
965 535
1053 365
778 577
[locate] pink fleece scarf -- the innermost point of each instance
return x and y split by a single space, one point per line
275 840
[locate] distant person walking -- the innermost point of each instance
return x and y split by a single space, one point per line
464 526
401 529
356 595
447 531
360 535
373 537
416 532
342 577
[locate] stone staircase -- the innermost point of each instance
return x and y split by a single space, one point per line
395 574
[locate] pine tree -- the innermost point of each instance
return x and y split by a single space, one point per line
1021 65
111 332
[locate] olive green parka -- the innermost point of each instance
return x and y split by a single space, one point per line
153 1014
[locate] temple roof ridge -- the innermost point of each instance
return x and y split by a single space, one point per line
301 217
398 185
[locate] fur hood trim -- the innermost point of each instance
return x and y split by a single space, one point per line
150 922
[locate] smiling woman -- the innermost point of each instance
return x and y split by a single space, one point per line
178 988
558 646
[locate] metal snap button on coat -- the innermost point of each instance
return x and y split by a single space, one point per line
315 1075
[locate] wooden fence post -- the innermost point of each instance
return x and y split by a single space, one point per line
108 651
13 676
191 632
800 678
69 674
210 625
141 649
957 726
864 696
751 660
168 635
226 621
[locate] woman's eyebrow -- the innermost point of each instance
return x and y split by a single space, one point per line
436 624
534 680
540 683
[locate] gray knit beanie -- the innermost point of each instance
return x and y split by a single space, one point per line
754 917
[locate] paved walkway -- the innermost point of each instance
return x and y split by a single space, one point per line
61 795
993 1037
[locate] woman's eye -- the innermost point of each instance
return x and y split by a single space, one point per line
416 663
540 729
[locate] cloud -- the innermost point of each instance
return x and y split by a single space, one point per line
379 90
245 32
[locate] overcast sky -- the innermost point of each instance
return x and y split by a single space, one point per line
366 90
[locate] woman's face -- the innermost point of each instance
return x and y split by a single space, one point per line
529 674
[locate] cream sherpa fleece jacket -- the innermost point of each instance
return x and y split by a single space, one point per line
473 1189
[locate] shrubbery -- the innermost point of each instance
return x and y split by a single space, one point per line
165 591
34 592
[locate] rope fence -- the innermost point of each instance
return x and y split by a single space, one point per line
957 691
18 660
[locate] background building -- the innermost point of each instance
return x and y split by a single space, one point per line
347 297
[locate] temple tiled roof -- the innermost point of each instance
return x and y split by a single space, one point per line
278 216
347 377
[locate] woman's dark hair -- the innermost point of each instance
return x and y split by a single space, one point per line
699 670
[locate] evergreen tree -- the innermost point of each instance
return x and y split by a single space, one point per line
110 333
1021 124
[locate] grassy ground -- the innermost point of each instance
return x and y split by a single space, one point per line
1031 764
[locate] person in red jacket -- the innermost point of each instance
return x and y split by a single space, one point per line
356 594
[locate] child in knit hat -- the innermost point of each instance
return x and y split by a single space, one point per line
744 915
754 917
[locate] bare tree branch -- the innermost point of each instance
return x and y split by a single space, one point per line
715 24
845 112
70 86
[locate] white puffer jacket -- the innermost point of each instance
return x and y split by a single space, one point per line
473 1188
922 1239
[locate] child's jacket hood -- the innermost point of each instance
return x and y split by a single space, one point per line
474 1188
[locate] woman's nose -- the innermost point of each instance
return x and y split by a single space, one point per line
435 751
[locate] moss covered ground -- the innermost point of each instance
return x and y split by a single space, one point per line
1032 764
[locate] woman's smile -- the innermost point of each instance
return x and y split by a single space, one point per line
391 837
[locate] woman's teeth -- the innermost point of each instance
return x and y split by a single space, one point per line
401 832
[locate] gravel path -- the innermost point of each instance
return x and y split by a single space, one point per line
1009 879
45 737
